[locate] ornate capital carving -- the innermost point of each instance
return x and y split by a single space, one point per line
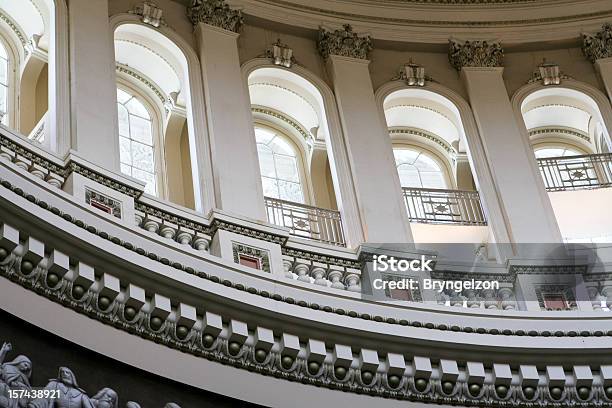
475 54
149 13
345 43
598 45
216 13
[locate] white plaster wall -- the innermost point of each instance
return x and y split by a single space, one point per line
583 213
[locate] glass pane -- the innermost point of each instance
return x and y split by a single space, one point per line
137 108
281 146
3 71
124 124
290 191
266 161
263 136
142 157
286 168
3 53
405 156
148 178
125 152
125 169
432 179
270 187
122 97
409 176
140 130
548 152
3 101
425 163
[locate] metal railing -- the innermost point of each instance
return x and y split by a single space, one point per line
576 172
437 206
306 221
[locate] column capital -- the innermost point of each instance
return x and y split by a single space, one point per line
482 54
344 43
598 45
216 13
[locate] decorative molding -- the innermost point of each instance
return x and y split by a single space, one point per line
125 69
262 255
308 137
150 13
548 73
281 54
475 54
599 45
421 133
413 74
103 202
344 43
216 13
565 131
16 29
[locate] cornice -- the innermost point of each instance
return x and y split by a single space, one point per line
308 138
424 134
557 130
432 23
142 78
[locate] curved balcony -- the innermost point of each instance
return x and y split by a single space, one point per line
576 172
437 206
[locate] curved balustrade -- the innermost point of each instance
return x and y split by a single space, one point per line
306 221
576 172
437 206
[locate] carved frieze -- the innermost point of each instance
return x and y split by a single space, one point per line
216 13
598 45
475 54
345 43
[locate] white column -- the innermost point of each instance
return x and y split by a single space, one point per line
529 214
93 87
383 214
604 67
234 151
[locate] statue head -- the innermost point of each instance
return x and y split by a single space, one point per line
132 404
23 364
171 405
106 398
67 377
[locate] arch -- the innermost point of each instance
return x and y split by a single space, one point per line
419 167
187 66
575 94
481 171
334 141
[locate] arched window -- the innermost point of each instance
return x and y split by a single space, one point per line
555 152
279 166
417 169
137 151
4 85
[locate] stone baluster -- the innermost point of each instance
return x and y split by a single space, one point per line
55 180
287 265
6 154
22 162
168 230
184 237
473 301
335 277
353 282
301 270
200 243
489 299
152 224
38 171
318 273
508 302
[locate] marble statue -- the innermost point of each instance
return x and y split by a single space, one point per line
14 375
71 396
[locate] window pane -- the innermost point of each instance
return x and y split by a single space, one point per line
3 101
405 156
122 97
270 187
424 163
549 152
142 157
125 151
280 146
263 136
290 191
124 124
3 71
141 130
137 108
266 161
409 176
148 178
431 179
125 169
286 168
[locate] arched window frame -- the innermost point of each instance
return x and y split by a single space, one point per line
560 144
157 114
301 156
14 62
406 139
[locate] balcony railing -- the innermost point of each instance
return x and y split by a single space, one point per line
306 221
576 172
436 206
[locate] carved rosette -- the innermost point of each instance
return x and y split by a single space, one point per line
344 43
216 13
599 45
475 54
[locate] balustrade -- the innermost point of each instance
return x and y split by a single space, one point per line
576 172
306 221
437 206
